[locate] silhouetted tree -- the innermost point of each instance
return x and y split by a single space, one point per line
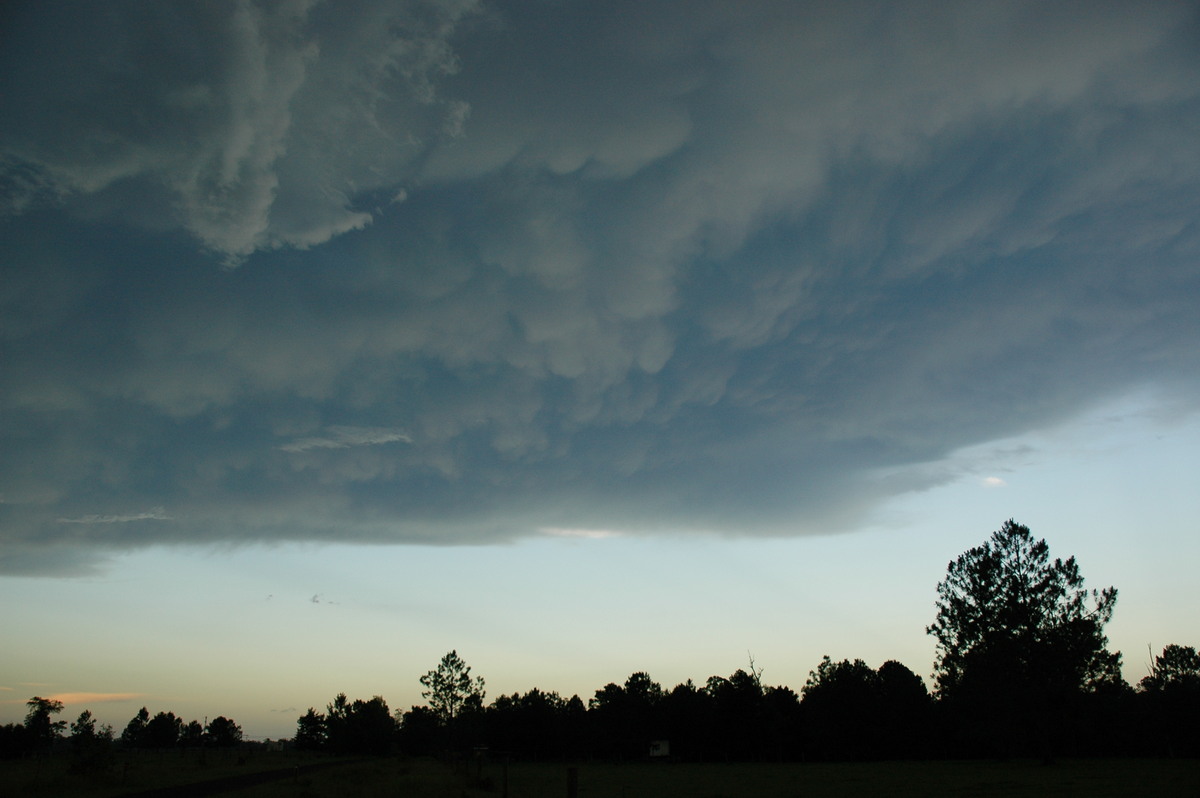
90 747
1176 668
15 741
42 730
420 731
1170 696
903 712
191 734
737 708
689 722
223 732
532 726
574 714
1018 636
853 712
310 731
782 723
337 719
624 719
83 729
371 728
839 704
134 733
449 688
343 737
358 727
456 700
162 731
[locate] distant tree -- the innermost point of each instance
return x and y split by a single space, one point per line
42 730
1177 668
689 723
310 731
624 719
337 718
358 727
15 741
223 732
370 728
1171 697
853 712
903 712
1018 635
450 689
782 723
536 725
83 729
90 747
574 717
191 734
737 707
162 731
420 731
839 703
845 677
134 734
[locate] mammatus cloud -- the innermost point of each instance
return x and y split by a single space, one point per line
595 267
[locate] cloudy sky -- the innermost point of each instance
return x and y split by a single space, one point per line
581 337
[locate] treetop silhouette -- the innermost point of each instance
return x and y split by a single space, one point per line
449 688
1010 620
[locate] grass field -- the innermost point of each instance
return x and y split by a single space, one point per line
1089 779
130 773
396 778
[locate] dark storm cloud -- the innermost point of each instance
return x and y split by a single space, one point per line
505 268
228 112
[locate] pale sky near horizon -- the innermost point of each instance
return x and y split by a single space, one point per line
582 338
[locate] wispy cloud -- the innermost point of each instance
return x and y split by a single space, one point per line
95 698
155 514
345 437
591 534
994 482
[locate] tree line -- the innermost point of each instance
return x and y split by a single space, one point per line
91 745
1022 668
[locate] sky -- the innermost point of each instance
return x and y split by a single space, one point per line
582 338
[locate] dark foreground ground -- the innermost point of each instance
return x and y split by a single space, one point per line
280 775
